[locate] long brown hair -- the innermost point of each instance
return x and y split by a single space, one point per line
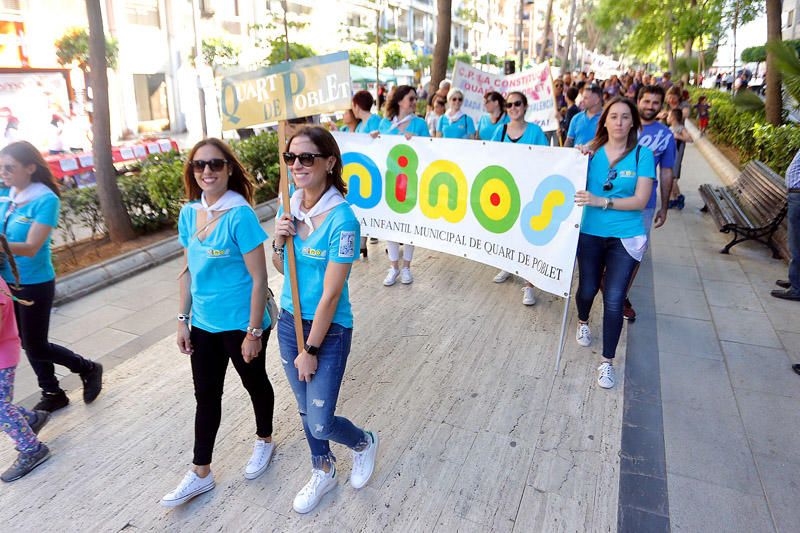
26 154
326 144
601 137
393 105
239 180
7 256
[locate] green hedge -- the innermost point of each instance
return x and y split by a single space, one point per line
749 133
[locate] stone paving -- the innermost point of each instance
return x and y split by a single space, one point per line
479 434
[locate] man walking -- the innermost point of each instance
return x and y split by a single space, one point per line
584 125
791 287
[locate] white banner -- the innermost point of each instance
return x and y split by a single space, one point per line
534 82
506 205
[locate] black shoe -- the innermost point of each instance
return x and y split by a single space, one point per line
796 369
364 252
92 383
784 283
52 401
39 422
628 313
787 294
25 463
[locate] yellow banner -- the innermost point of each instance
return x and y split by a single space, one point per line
288 90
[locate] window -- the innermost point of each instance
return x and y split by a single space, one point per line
790 18
151 97
143 13
419 26
10 5
354 20
402 25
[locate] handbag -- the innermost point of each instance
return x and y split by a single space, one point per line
272 309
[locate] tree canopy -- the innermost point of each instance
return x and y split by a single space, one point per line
73 47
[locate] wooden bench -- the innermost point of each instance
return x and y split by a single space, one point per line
752 208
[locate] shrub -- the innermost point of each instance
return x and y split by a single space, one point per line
162 175
749 133
145 215
259 155
80 207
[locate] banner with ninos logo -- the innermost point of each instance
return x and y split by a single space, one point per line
506 205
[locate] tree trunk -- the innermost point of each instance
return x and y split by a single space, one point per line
669 51
441 49
548 18
116 217
774 101
285 29
735 25
570 34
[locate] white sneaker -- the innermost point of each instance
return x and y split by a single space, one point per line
259 461
405 276
320 484
191 486
391 277
606 375
583 335
501 276
527 296
364 462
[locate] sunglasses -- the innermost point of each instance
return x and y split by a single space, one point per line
199 165
612 175
8 168
456 99
516 103
306 158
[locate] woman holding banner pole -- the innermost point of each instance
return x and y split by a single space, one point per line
613 237
521 132
401 119
455 124
495 115
325 231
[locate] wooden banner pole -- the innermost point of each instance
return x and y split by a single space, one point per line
292 261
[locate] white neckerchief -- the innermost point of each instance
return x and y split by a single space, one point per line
452 117
229 200
32 192
397 123
330 199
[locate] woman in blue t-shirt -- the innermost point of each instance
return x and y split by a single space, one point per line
495 115
612 238
326 232
520 132
455 124
29 212
362 108
222 310
401 119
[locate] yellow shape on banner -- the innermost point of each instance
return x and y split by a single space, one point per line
364 179
495 199
551 201
443 191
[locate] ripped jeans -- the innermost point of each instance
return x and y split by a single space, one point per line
316 400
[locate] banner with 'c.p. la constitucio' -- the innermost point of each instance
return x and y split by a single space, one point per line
506 205
287 90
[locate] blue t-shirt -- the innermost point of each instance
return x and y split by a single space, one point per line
337 239
486 128
533 135
661 141
582 128
613 222
417 127
462 128
369 125
44 210
221 284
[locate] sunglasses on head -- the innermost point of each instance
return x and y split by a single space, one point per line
612 175
199 165
515 103
306 158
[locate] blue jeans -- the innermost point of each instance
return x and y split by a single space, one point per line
794 240
316 400
595 255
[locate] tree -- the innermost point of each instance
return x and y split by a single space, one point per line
73 48
294 51
218 52
362 56
116 217
441 49
460 56
774 101
570 36
741 12
396 54
548 20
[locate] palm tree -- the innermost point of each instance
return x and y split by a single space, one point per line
441 50
774 101
116 217
548 19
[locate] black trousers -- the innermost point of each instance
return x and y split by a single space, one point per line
209 364
33 323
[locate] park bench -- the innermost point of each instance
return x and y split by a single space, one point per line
753 207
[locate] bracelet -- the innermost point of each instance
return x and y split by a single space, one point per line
277 250
183 318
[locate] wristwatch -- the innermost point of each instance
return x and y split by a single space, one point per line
255 332
609 204
183 318
311 350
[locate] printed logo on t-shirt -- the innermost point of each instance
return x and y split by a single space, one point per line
216 254
23 220
627 173
347 244
313 252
